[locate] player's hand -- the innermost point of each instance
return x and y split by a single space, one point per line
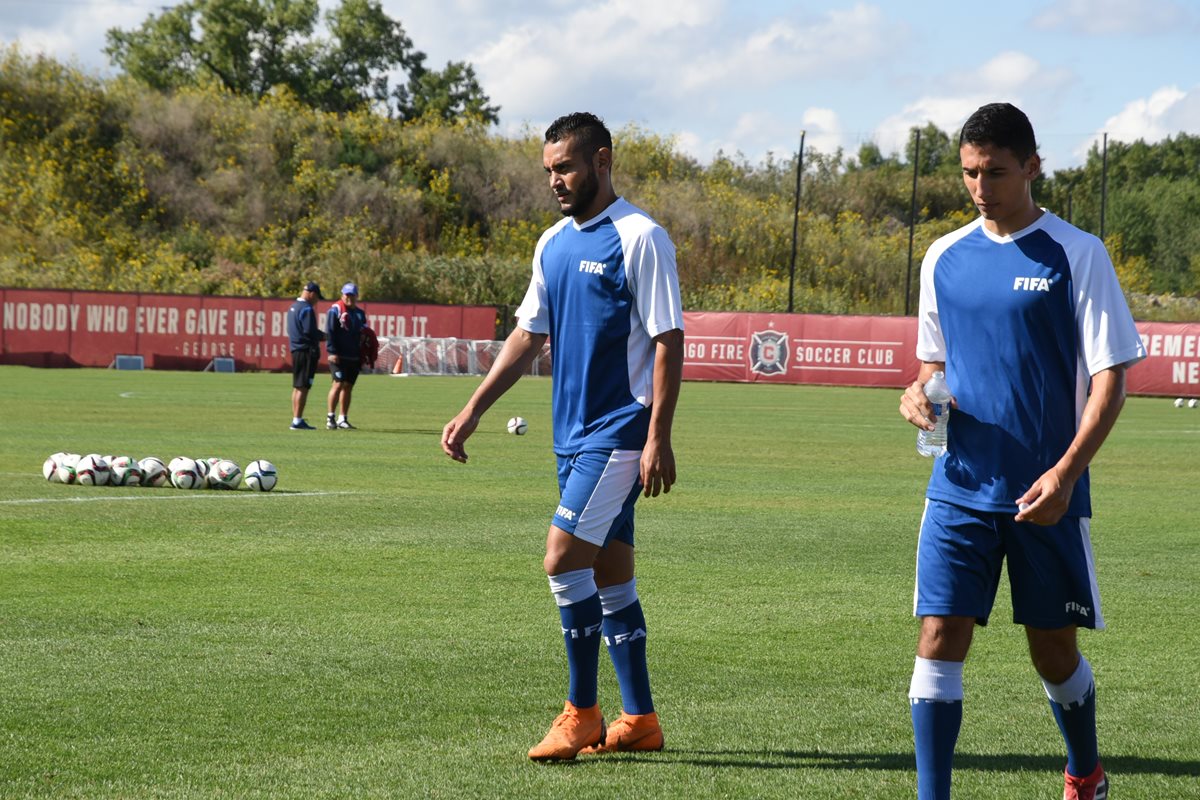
657 469
456 433
333 359
916 408
1047 499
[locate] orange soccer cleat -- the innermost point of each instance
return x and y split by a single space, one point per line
630 733
573 730
1093 787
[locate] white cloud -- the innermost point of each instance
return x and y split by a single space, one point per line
1166 112
1006 77
845 43
1115 17
822 130
606 57
78 36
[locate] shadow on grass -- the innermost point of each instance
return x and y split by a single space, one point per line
1005 762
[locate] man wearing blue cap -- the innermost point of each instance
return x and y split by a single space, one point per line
344 324
305 341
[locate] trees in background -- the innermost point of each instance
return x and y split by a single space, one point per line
253 47
117 185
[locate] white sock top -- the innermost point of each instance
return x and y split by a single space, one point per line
936 680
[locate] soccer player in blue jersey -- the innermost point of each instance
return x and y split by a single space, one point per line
1023 312
606 293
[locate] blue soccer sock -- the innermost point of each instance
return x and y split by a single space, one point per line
936 698
579 607
1074 705
625 634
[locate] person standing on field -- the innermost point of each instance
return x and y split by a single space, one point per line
1023 313
345 321
305 342
606 293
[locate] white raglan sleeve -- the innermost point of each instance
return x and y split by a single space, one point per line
1107 333
533 314
654 280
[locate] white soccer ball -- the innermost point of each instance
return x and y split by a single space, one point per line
154 472
92 470
66 468
184 473
125 471
1193 403
1179 401
261 476
225 474
518 426
202 467
50 467
209 465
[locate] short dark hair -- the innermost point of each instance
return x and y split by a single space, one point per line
586 129
1002 125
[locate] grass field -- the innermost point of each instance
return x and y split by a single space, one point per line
379 626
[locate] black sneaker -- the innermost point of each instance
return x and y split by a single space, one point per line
330 423
346 426
302 426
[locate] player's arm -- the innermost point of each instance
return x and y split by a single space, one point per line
1050 494
520 348
658 457
914 405
331 323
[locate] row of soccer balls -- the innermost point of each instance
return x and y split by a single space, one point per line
182 472
1179 402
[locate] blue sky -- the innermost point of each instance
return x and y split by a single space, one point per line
748 77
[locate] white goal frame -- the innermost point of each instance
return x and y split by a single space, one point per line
420 356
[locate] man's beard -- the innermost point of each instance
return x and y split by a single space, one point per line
583 196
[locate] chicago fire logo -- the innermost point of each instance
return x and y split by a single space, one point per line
769 352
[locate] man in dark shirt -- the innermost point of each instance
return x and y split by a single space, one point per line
344 321
305 340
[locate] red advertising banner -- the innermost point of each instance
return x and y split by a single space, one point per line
55 328
880 351
800 348
1172 363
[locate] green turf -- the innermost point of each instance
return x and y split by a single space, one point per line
379 626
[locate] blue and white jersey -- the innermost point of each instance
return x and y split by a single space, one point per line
1022 323
602 290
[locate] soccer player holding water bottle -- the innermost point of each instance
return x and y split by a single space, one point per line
1023 313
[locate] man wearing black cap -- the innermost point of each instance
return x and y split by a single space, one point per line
306 340
344 322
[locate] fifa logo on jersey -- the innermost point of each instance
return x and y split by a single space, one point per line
581 633
625 638
1073 607
1031 284
769 353
565 513
594 267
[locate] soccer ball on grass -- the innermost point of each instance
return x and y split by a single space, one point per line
92 470
224 474
125 471
261 476
184 473
154 472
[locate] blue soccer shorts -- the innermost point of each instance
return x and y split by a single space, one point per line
598 489
1050 569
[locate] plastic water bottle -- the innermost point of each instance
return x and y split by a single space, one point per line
933 443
